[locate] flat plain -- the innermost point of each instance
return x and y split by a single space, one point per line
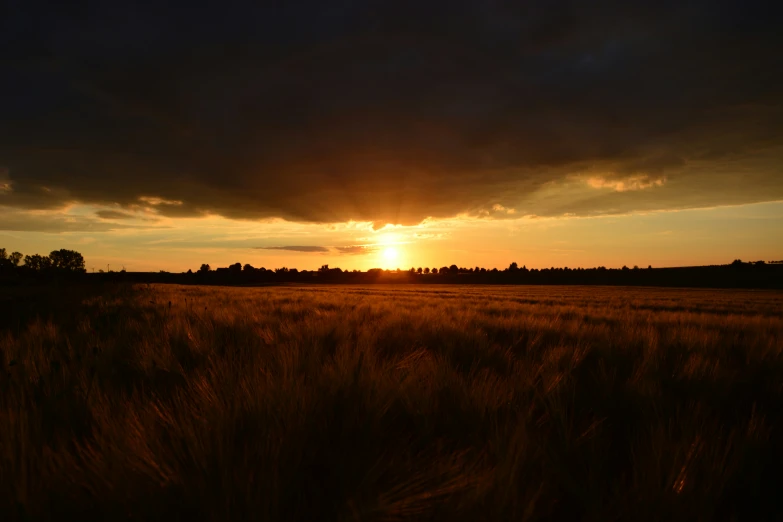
153 402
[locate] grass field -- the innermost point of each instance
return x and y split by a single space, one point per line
391 403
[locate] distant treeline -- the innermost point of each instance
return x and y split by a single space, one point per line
59 264
70 264
735 275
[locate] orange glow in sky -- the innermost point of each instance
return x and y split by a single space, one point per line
715 235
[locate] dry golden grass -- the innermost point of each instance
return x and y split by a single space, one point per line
391 403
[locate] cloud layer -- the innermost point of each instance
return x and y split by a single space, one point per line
391 111
296 248
357 249
54 222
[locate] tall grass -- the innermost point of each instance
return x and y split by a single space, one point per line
387 403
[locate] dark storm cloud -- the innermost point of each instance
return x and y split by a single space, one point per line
296 248
390 111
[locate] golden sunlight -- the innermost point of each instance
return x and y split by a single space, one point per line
390 255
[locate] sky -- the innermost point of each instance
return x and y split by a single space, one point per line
163 135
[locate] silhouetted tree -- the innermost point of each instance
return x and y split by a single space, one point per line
9 261
513 267
434 270
418 270
236 268
426 270
248 268
37 262
64 260
204 268
453 269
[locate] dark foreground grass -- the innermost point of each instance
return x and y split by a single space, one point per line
399 403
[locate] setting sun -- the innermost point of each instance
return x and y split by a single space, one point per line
390 255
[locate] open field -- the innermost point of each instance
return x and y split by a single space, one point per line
391 403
